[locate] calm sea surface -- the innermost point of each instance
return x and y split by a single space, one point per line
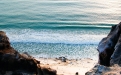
54 28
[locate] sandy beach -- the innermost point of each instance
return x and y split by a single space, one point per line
70 67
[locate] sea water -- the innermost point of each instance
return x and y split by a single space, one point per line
55 28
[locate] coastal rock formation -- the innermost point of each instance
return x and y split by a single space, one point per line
107 45
116 56
103 70
11 60
109 54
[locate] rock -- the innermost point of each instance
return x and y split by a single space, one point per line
25 54
46 70
116 56
109 54
76 73
11 60
97 70
103 70
17 73
63 59
107 44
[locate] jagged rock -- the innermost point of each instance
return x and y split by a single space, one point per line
11 60
107 44
109 54
103 70
97 70
116 56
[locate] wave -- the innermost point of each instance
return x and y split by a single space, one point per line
51 37
56 25
56 32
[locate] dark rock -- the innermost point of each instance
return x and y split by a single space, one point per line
63 59
98 70
116 56
11 60
109 54
48 71
77 73
107 44
17 73
103 70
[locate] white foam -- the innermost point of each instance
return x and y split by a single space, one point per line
52 37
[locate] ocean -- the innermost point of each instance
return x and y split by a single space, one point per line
55 28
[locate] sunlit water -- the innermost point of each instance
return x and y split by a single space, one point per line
54 28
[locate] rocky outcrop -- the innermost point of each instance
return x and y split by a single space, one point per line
11 60
109 50
107 46
116 56
103 70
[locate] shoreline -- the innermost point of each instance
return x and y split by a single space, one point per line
70 67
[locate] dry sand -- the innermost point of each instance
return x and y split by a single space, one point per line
70 67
